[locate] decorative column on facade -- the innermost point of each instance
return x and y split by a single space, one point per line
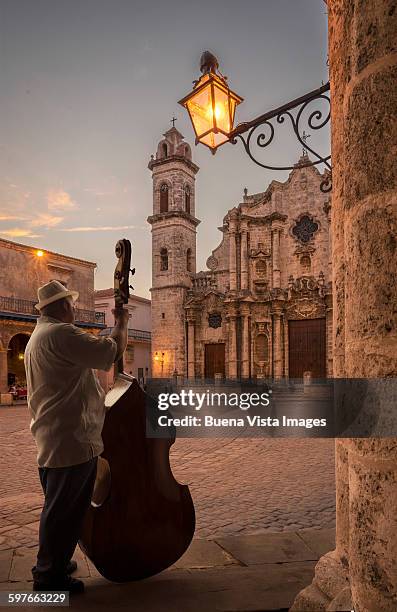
232 255
278 342
245 341
244 256
232 342
191 320
3 371
276 233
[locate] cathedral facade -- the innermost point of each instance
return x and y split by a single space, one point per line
263 307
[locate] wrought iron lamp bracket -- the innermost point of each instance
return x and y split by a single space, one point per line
316 120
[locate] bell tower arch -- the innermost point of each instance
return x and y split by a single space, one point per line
173 250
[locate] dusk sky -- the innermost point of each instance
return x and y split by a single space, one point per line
88 87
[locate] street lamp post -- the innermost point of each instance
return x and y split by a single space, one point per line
211 106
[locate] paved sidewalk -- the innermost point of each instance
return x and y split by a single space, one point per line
251 573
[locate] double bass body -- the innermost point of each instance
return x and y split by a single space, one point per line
147 520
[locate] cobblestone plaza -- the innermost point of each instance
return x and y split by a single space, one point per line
239 486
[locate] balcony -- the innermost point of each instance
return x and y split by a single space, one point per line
16 308
139 335
203 280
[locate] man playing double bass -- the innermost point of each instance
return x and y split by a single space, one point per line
66 402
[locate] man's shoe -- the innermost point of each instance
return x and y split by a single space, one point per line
73 585
71 567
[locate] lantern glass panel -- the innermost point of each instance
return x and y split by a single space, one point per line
214 140
200 110
222 109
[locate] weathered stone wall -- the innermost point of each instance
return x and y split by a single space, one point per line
168 331
363 70
22 273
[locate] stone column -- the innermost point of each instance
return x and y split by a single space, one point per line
329 336
190 348
278 345
232 344
361 572
232 255
244 257
276 232
245 344
3 371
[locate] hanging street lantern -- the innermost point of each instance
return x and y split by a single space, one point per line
211 105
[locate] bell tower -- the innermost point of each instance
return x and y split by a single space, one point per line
173 250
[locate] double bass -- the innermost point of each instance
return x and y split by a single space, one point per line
141 520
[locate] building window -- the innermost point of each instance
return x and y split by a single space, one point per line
163 260
165 150
189 260
305 264
305 228
187 199
164 198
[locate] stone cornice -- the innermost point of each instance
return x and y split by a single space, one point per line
154 163
181 214
16 246
274 216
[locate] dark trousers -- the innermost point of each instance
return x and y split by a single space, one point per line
68 493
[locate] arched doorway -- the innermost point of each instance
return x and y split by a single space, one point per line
15 353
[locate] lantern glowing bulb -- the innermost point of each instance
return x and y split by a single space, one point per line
20 356
39 253
211 105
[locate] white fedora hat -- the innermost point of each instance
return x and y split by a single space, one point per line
53 291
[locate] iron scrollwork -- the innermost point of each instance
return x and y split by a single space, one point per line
316 120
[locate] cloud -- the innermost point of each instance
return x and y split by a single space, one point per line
97 192
12 218
106 228
46 220
57 199
19 232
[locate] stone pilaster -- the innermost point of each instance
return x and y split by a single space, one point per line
232 255
276 233
232 344
191 345
3 371
245 344
244 257
278 344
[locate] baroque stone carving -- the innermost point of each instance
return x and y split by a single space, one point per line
212 262
214 320
304 229
305 308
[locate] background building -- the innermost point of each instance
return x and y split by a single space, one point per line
263 308
23 270
137 354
